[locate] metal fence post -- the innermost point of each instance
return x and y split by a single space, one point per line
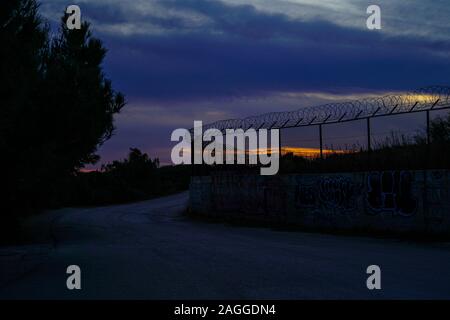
321 141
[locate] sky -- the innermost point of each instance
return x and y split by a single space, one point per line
185 60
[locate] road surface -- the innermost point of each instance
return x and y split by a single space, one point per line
149 250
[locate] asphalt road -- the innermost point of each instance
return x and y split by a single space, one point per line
149 250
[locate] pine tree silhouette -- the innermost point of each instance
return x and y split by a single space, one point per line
56 106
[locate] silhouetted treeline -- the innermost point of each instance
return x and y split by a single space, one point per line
136 178
56 108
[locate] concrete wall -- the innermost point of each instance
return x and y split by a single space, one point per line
417 201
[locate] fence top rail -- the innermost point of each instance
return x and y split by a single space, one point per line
423 99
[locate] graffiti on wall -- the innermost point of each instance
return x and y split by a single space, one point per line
338 193
331 194
249 194
336 200
391 191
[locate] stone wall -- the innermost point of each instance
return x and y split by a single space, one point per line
411 201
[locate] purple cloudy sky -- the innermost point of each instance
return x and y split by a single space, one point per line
177 61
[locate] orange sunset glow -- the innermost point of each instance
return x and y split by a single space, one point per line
309 152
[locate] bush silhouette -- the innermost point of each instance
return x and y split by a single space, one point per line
138 177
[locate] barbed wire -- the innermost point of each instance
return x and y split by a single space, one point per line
423 99
333 138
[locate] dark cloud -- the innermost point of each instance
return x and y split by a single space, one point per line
204 66
245 52
240 51
235 51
